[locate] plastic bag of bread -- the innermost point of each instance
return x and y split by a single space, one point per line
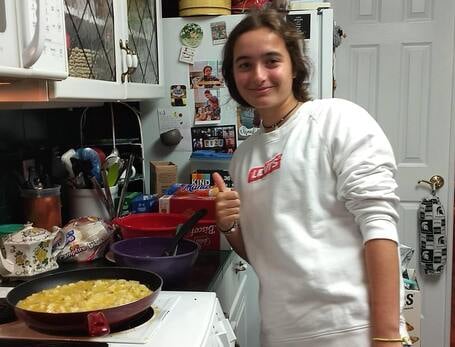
86 239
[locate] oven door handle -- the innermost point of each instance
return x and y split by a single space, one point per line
225 336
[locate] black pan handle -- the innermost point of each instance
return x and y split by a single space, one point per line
183 230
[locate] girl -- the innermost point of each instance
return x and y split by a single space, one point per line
314 207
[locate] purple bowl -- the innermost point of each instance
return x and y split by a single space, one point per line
145 253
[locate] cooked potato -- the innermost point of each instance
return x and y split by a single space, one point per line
85 296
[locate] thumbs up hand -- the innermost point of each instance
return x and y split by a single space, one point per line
227 204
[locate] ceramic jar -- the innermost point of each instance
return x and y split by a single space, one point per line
30 251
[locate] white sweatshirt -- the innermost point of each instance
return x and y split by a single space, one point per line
312 193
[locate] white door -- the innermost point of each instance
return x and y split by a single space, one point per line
397 62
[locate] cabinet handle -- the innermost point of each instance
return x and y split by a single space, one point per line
240 266
130 60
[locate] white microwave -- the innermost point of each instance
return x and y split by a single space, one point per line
32 40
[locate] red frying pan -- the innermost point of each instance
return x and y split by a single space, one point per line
92 323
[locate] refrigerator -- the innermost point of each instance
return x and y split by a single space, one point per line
191 47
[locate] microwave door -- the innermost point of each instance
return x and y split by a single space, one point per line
21 36
32 40
9 39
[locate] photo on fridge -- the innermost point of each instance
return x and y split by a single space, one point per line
206 74
219 139
207 108
178 95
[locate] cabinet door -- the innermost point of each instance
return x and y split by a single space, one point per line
144 39
93 31
238 316
238 295
233 276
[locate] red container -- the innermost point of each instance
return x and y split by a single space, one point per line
204 233
149 224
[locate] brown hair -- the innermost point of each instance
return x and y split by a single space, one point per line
293 40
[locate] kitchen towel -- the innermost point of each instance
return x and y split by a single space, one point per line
433 237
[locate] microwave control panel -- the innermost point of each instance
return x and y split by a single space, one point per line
54 57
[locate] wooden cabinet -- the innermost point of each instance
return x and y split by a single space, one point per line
114 51
237 290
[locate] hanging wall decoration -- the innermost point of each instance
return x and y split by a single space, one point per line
433 235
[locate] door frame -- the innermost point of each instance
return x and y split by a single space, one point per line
450 211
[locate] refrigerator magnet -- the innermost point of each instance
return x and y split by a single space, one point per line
187 55
219 34
191 35
178 95
206 74
206 107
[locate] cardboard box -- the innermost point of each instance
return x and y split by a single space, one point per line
412 312
163 174
205 177
205 232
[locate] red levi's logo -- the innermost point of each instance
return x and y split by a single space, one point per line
259 172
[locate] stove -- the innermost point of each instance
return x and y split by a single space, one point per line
190 319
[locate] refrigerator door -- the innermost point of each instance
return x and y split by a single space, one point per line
317 28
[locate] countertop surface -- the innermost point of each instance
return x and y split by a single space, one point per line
209 265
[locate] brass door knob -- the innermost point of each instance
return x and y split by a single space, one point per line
436 182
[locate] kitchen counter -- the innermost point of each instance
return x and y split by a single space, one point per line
208 267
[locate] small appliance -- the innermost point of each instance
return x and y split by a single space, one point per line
32 40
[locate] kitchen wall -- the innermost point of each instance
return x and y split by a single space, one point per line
21 133
27 134
155 150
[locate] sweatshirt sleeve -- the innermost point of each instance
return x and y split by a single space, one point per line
365 166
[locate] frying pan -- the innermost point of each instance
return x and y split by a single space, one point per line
92 323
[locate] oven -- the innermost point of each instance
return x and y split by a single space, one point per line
176 318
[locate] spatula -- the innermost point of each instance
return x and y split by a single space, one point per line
182 230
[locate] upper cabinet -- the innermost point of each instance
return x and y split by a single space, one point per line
144 31
114 51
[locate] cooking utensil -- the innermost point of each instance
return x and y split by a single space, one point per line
125 184
93 323
145 253
182 230
65 158
113 173
90 155
102 196
114 157
107 191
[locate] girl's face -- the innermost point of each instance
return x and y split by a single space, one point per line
207 71
263 70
